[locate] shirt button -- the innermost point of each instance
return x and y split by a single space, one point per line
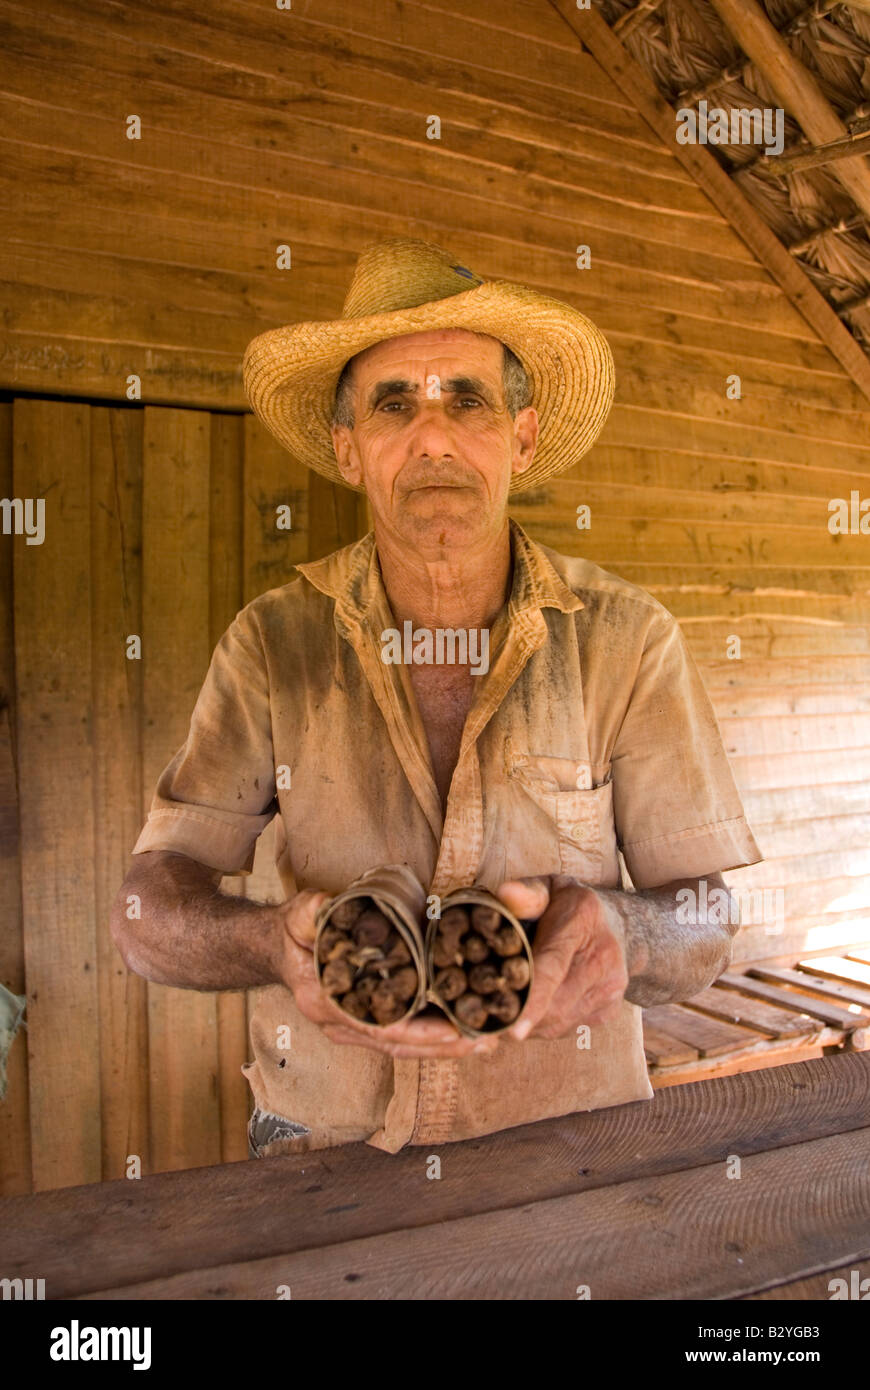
577 831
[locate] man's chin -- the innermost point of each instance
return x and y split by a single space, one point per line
443 526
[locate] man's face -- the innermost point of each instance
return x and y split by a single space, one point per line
433 442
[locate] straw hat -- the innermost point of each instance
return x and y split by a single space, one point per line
405 286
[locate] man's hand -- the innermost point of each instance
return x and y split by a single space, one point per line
420 1037
580 972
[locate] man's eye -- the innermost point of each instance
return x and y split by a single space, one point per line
387 405
469 400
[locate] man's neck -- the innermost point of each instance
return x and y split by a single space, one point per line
464 589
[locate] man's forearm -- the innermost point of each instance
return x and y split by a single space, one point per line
668 958
188 933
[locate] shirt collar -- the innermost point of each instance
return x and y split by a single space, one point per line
352 576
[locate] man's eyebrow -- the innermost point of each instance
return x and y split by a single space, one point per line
456 385
397 387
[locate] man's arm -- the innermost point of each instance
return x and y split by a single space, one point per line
669 954
191 935
188 933
593 947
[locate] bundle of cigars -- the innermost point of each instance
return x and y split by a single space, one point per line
382 955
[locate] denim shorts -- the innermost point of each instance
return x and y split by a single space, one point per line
264 1128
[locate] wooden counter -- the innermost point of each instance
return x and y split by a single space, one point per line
634 1202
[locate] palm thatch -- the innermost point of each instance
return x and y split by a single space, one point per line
692 55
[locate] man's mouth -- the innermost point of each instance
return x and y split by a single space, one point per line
431 487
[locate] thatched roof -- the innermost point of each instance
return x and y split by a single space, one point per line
693 54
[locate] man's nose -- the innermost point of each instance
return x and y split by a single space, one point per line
431 430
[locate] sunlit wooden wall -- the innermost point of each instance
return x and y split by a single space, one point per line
157 258
160 523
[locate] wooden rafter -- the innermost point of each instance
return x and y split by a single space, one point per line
795 88
839 228
641 91
816 156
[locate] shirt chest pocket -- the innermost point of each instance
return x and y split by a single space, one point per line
578 816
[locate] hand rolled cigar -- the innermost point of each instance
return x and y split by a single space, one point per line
337 976
507 941
485 920
450 983
474 948
365 988
485 979
453 922
396 951
471 1010
344 914
504 1005
386 1006
515 971
353 1005
371 928
446 953
342 947
403 983
330 937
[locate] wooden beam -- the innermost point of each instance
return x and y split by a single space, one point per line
845 224
643 94
816 155
795 88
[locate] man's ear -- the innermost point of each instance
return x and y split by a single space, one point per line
346 455
525 439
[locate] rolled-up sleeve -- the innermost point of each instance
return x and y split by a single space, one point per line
217 795
676 806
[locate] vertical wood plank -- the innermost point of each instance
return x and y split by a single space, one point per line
182 1024
225 600
15 1175
55 747
116 570
272 478
336 516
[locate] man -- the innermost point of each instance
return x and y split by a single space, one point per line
589 731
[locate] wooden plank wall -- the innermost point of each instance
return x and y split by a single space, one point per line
157 257
160 522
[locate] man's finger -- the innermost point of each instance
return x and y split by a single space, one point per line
552 961
457 1047
591 992
301 914
527 898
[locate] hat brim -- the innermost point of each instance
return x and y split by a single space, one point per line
290 373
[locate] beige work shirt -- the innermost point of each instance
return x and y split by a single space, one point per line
590 732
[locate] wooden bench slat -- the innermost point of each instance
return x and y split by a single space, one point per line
837 968
663 1050
709 1035
806 979
775 994
752 1013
